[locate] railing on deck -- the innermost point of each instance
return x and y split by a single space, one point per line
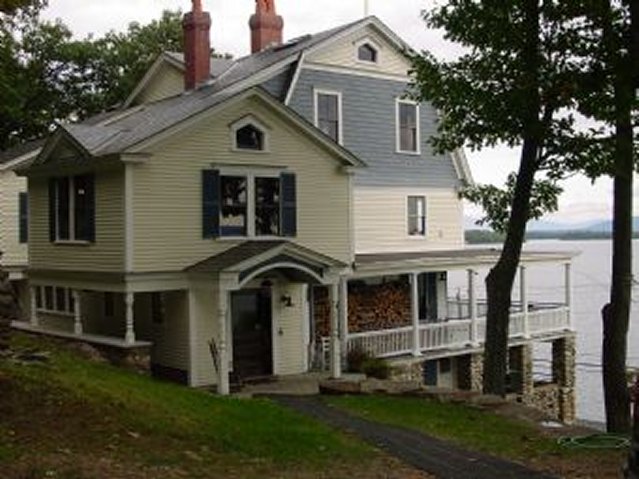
542 319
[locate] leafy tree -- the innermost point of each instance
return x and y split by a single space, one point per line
512 85
10 7
46 76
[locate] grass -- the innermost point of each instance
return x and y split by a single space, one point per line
482 431
73 406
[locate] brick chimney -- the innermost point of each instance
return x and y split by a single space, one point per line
197 46
266 26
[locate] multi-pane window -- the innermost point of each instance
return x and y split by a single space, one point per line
267 206
234 205
407 127
328 114
54 299
72 208
416 216
367 53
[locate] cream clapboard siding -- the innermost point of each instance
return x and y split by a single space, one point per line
381 220
168 81
202 328
167 202
13 252
288 325
106 254
343 53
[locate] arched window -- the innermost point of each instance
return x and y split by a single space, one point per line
367 53
249 137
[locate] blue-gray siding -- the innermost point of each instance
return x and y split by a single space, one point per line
369 130
278 85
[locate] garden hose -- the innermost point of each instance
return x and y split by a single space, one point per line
595 441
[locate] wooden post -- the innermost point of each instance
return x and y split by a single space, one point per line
568 291
224 387
472 306
343 318
336 359
129 299
77 312
34 306
414 309
523 296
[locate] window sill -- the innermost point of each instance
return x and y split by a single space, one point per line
418 237
410 153
250 151
72 243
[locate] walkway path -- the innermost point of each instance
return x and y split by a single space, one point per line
431 455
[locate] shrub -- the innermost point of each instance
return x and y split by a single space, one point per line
356 358
376 368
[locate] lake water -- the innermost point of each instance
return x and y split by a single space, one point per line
591 285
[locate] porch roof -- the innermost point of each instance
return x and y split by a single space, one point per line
449 259
249 257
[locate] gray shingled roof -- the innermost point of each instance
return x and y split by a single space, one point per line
138 123
218 65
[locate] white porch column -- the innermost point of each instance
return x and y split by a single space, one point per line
129 299
77 312
33 319
343 317
224 387
523 296
568 291
472 306
414 310
336 359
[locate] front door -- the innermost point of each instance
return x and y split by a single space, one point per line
252 334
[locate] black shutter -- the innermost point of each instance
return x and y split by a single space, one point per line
288 205
89 184
210 203
52 209
23 206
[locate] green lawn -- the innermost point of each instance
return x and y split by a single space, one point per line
482 431
81 407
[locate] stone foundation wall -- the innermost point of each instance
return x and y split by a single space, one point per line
470 371
408 372
370 307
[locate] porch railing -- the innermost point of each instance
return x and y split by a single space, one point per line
454 334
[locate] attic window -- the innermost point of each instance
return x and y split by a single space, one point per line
367 53
249 137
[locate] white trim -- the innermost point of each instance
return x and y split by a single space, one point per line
247 120
398 149
462 168
375 46
342 70
129 224
273 266
9 165
295 79
340 116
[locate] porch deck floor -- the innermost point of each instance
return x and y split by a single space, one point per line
437 457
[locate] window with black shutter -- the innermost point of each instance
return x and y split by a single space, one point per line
23 212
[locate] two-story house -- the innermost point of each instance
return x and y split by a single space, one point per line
243 218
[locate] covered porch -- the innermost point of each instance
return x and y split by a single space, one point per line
421 317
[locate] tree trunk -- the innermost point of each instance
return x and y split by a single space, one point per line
499 281
616 315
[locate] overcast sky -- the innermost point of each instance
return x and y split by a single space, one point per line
581 201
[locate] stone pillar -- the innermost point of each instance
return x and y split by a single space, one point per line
129 336
336 360
521 369
563 374
472 306
77 312
223 385
414 311
470 369
34 306
523 296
